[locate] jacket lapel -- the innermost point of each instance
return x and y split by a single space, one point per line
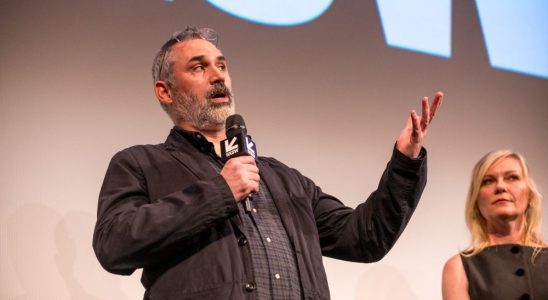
192 159
280 197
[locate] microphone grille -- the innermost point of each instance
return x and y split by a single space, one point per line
234 123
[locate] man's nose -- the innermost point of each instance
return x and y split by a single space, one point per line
217 76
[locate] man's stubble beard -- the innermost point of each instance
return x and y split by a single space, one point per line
200 113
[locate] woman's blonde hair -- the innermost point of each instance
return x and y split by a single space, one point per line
476 223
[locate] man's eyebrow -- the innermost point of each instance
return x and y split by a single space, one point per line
199 58
196 58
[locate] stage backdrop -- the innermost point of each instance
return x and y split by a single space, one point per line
324 86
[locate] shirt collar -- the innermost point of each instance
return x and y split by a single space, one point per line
197 140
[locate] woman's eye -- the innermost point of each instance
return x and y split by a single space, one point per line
513 177
486 181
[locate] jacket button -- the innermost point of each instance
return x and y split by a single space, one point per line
242 242
514 249
520 272
250 287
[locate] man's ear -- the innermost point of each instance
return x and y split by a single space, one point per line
163 93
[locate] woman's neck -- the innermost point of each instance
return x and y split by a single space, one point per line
506 232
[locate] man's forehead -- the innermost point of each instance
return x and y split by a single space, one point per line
188 49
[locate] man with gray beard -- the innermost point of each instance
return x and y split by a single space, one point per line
174 209
203 114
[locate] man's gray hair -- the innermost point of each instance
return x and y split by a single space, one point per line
162 67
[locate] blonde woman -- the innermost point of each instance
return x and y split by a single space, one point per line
507 257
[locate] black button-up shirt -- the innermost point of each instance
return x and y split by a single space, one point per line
274 264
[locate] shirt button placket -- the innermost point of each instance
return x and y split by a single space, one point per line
520 272
250 287
242 242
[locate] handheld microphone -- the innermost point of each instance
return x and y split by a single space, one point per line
238 143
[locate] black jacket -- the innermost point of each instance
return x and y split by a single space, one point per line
164 208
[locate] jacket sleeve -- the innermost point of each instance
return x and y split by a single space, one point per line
133 230
367 233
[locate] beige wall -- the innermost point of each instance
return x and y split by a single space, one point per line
328 98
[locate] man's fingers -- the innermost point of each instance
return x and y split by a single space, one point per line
416 124
242 176
438 99
425 118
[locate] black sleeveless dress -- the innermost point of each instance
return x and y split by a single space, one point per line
506 272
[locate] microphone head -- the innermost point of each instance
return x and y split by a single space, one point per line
237 142
235 124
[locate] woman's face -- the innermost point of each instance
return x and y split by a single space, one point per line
503 194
